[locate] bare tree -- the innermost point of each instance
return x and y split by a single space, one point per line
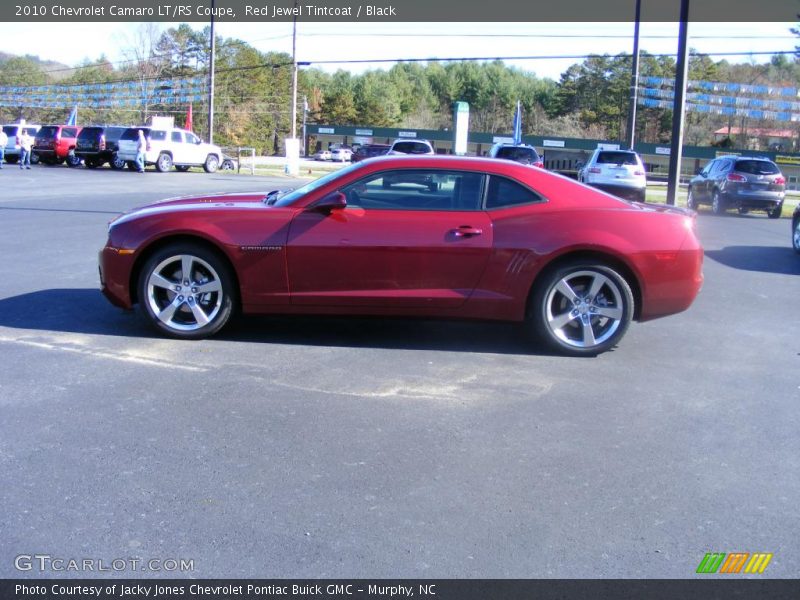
145 63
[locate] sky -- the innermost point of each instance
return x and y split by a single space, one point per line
357 41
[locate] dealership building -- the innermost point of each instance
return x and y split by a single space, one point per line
559 153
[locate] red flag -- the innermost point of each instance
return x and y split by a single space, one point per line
188 125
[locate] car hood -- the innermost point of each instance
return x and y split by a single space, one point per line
208 203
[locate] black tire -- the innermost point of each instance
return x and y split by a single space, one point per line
691 203
12 160
227 165
34 158
117 163
796 235
164 162
178 309
775 213
212 163
717 203
90 163
563 323
72 160
132 166
182 168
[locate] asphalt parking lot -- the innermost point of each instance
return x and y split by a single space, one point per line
376 448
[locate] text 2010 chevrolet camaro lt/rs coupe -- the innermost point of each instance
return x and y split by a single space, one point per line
448 237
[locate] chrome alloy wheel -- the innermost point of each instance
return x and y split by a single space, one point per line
796 236
184 292
584 309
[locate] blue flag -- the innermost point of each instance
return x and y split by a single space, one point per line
518 124
73 117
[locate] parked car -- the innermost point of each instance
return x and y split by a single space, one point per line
98 145
796 229
619 172
168 147
497 240
12 130
411 147
742 182
55 144
521 153
341 154
370 151
322 155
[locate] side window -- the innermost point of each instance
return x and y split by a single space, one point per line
417 189
504 192
709 167
158 136
723 167
177 137
192 139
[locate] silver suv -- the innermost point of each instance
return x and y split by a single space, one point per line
619 172
168 147
12 150
742 182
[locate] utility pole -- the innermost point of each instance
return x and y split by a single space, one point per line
294 73
211 80
634 79
305 113
678 106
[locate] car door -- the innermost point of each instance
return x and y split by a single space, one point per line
195 149
180 151
702 190
407 238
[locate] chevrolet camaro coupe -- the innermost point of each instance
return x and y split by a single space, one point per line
492 239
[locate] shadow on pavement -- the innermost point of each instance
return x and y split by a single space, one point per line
87 311
764 259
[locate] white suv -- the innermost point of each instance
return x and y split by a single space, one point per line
168 147
12 150
619 172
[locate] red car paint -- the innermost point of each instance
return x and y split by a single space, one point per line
356 261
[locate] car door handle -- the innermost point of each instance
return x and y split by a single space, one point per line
466 231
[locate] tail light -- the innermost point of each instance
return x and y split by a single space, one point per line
539 164
102 145
595 170
779 180
736 177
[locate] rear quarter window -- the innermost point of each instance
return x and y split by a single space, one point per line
503 192
132 133
47 132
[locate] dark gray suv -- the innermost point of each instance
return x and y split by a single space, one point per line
742 182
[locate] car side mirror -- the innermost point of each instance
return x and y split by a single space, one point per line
331 202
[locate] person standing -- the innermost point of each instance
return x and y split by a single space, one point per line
141 151
25 145
3 142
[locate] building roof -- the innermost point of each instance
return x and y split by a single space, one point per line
757 132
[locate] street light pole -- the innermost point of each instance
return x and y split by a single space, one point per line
634 79
678 106
211 81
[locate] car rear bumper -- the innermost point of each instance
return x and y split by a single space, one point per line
754 200
622 190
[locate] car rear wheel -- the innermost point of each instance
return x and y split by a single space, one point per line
72 160
212 163
117 163
164 162
796 236
34 158
717 203
690 201
186 291
581 308
775 213
90 163
13 159
132 165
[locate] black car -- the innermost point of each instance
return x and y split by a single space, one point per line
796 229
742 182
370 150
99 145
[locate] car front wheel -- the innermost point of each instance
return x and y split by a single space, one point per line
186 291
690 201
212 163
717 203
775 213
796 236
581 308
164 162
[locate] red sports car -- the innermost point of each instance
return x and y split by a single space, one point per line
492 239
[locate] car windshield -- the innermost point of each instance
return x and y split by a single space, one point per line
757 167
314 185
527 155
617 158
